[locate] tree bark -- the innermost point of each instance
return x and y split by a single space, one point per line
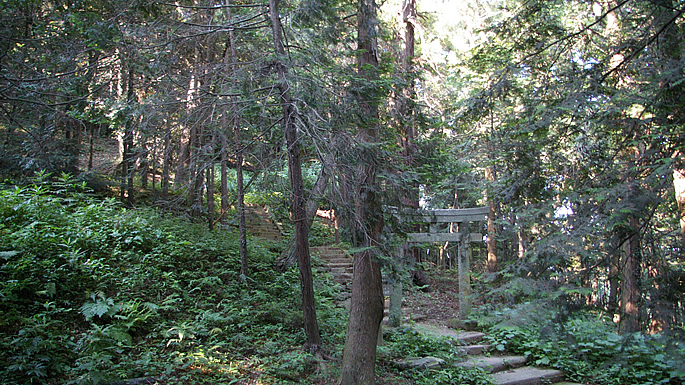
670 50
230 60
166 162
299 210
366 308
614 283
224 168
210 187
366 313
242 228
127 159
143 163
241 200
289 256
630 295
491 243
671 113
91 146
408 109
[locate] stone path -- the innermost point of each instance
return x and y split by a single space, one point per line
338 261
505 369
260 223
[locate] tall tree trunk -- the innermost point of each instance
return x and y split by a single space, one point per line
224 168
210 185
671 114
185 165
521 243
408 112
366 308
153 167
91 145
127 159
166 162
299 210
197 171
670 50
407 108
289 256
630 295
238 147
491 243
181 175
144 164
241 198
614 282
491 177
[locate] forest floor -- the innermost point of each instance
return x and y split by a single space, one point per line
437 305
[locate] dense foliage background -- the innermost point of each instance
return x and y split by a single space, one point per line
126 130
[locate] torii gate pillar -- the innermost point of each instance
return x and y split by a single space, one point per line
464 264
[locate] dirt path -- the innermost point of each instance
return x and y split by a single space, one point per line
438 305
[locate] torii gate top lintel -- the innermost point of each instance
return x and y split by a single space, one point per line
475 214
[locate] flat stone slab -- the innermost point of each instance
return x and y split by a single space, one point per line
420 362
528 376
468 325
474 350
462 338
494 363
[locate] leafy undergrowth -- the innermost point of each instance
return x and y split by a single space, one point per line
92 293
585 345
95 293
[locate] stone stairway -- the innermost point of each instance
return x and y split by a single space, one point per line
338 262
504 369
261 224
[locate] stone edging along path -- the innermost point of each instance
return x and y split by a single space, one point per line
505 369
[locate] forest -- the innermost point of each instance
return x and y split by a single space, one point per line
137 139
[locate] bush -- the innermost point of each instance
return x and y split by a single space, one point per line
588 348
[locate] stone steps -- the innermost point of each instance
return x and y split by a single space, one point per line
474 350
494 364
528 375
504 369
260 224
337 261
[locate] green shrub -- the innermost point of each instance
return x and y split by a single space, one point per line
451 375
588 348
406 342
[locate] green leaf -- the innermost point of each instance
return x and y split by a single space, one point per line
100 307
8 254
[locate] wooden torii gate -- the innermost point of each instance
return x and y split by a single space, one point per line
464 237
